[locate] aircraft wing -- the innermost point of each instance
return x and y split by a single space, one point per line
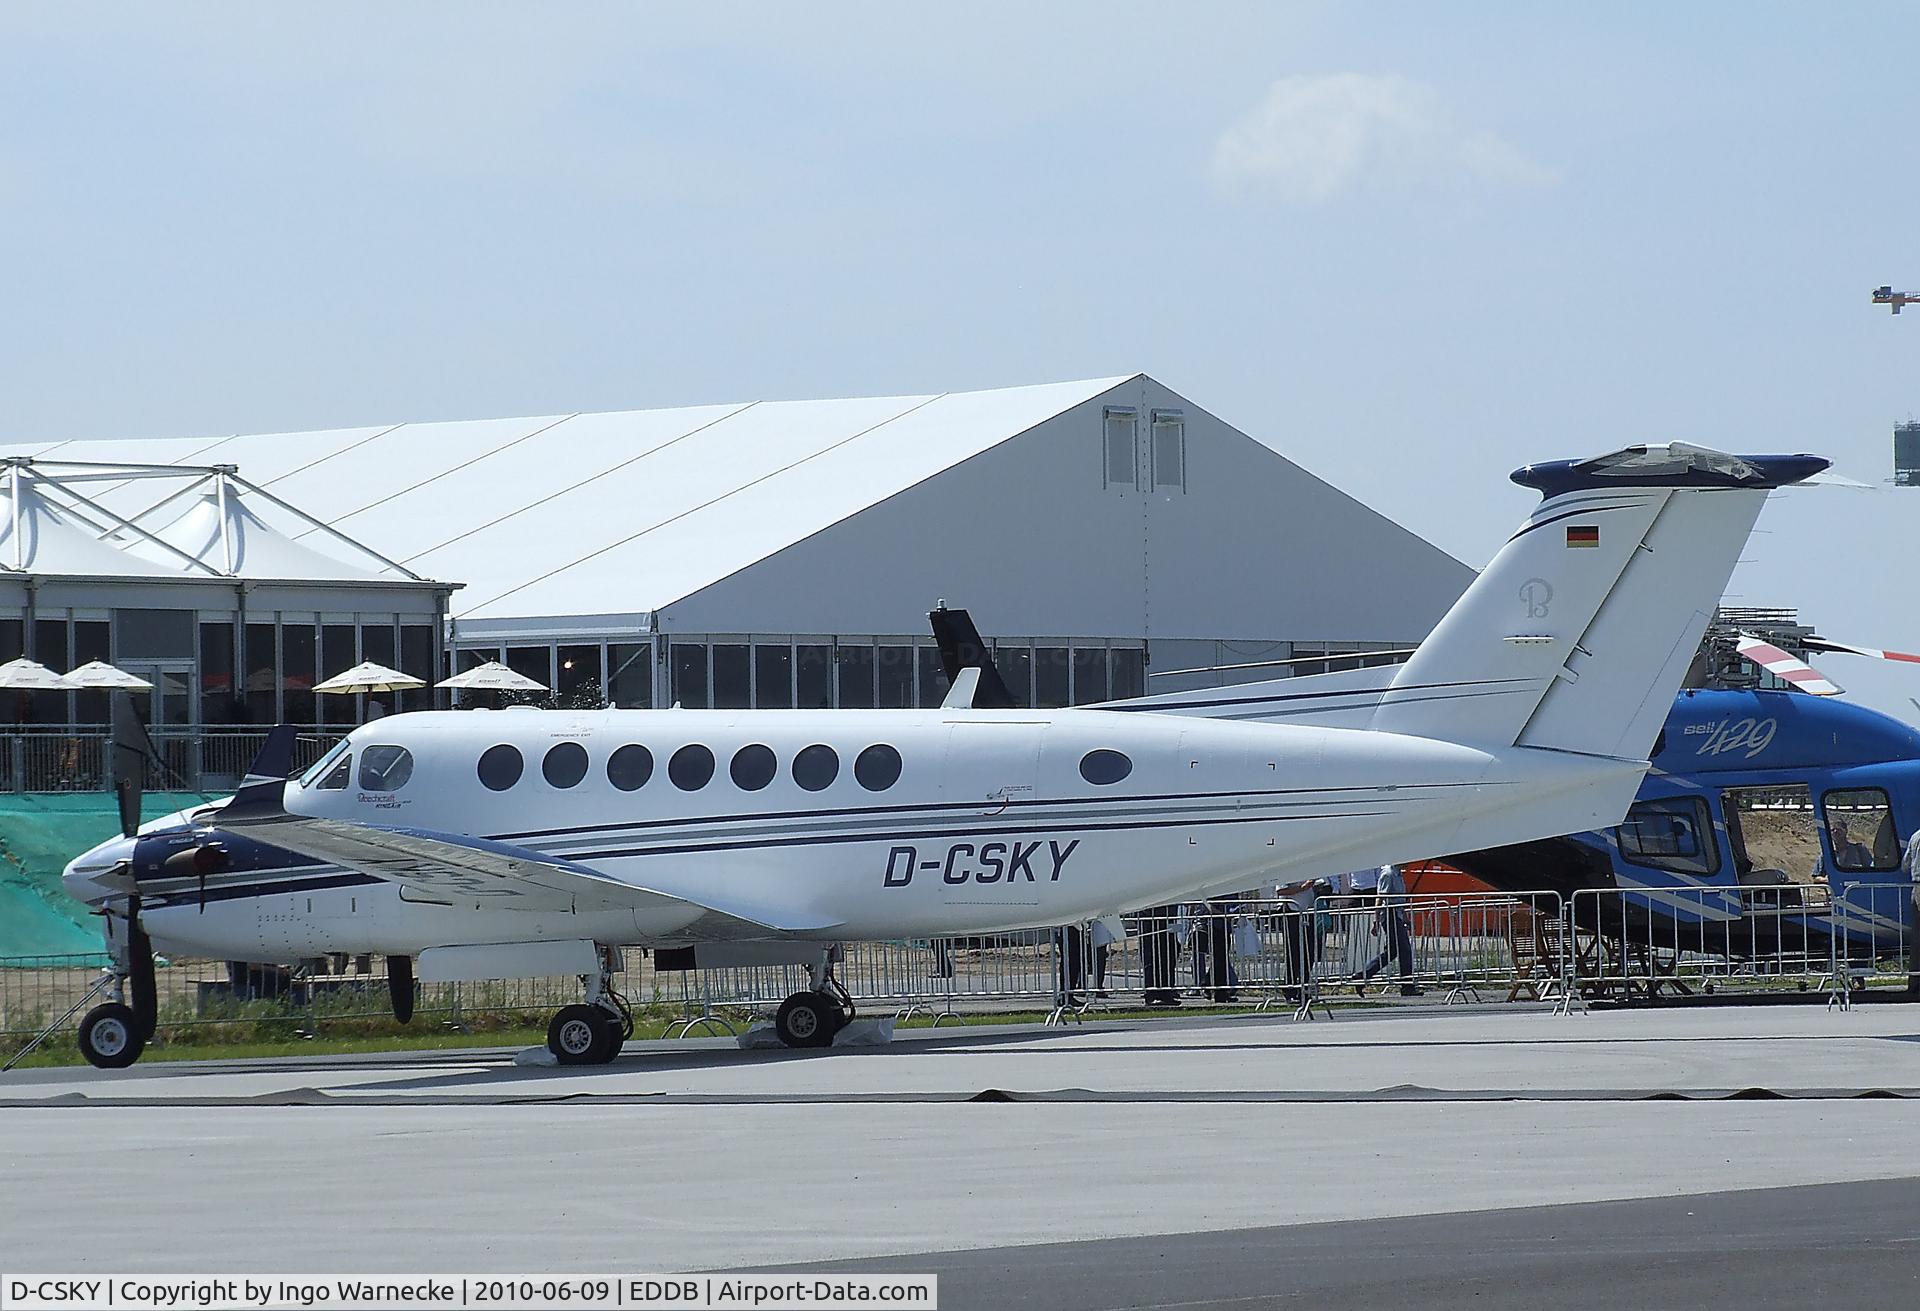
461 868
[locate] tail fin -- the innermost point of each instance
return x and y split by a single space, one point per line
1577 635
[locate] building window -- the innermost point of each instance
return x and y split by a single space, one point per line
773 676
501 767
689 661
578 687
535 662
263 706
1129 673
691 767
299 656
1169 449
877 768
1015 661
630 675
933 676
816 767
853 667
1119 449
1052 667
896 677
385 769
1089 675
813 677
565 764
416 658
732 676
629 767
753 767
217 692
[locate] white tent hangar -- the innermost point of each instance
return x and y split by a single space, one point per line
780 553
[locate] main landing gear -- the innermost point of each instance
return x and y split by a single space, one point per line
813 1017
593 1033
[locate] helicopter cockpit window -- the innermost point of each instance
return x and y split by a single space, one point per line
1860 830
1674 833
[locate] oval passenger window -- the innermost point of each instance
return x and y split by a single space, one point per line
565 765
501 767
816 767
630 767
753 767
691 767
877 768
1103 767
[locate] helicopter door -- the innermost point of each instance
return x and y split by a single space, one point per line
1775 836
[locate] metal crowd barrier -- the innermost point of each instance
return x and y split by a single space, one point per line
1650 944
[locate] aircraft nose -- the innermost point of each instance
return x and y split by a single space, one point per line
95 876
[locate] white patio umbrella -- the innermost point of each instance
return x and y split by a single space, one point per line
98 673
369 677
492 677
32 676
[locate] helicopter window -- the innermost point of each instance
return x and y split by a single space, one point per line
1674 833
1860 830
1774 834
336 779
385 769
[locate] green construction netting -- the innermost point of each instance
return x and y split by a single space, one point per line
39 834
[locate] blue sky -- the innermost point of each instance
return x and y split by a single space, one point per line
1409 245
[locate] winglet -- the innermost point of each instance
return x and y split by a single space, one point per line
263 792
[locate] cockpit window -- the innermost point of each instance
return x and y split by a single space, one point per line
385 769
1674 833
1860 830
337 777
323 767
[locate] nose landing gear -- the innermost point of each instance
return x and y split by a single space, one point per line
111 1036
593 1032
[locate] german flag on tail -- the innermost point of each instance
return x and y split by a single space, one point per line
1583 535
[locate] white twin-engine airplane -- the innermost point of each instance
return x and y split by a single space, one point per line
535 843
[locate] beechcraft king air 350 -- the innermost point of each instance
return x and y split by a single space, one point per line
468 845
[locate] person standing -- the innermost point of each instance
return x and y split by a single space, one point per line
1302 933
1910 866
1390 891
1159 954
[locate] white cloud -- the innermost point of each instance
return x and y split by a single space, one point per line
1313 137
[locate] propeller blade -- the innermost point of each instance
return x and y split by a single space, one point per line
400 986
145 996
1790 669
133 752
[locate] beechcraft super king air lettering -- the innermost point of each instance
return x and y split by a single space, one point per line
517 843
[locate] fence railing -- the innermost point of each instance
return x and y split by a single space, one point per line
1536 946
76 758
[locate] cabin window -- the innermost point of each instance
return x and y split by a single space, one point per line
385 769
1860 830
1774 834
691 767
565 764
1103 767
336 779
630 767
1674 833
877 768
501 767
753 767
816 767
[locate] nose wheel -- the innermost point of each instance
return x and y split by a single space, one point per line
111 1036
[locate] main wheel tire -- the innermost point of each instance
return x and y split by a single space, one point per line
807 1019
615 1037
576 1036
112 1037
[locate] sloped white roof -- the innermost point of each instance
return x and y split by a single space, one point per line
54 539
619 513
249 548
